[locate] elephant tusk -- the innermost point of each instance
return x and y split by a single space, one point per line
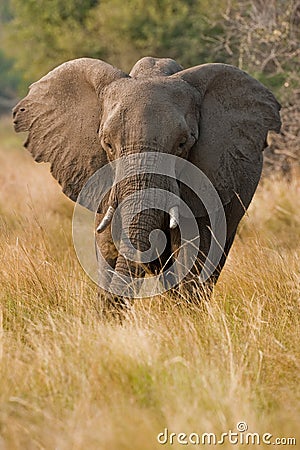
174 217
106 220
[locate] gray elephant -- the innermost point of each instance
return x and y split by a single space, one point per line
86 113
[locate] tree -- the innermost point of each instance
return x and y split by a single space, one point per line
263 38
44 33
177 29
9 78
260 37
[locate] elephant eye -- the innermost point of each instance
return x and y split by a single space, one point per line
182 143
108 146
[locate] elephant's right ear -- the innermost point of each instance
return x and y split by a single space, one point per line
62 115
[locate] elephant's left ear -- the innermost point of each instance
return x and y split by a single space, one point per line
236 113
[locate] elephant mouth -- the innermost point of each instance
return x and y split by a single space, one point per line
139 185
105 222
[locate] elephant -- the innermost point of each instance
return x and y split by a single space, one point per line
85 114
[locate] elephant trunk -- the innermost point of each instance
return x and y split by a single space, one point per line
173 210
173 213
144 205
130 265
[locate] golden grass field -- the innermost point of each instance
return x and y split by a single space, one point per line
70 381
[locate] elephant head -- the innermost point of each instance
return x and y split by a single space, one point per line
86 113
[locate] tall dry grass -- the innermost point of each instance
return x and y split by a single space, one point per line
70 381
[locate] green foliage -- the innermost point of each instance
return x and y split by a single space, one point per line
9 79
137 28
44 33
259 37
5 12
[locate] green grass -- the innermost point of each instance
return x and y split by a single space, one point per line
71 381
